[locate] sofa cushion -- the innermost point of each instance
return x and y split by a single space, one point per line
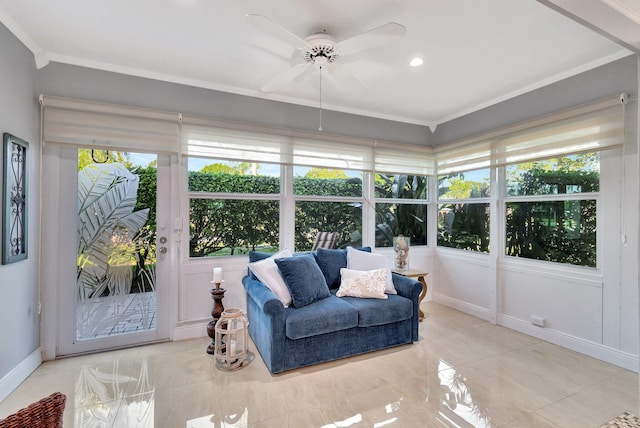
362 261
362 283
331 261
304 279
266 271
323 316
378 312
255 256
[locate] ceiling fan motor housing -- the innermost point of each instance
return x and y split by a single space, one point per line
320 49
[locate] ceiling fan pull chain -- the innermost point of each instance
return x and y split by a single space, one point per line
320 127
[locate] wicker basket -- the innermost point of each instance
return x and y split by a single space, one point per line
46 413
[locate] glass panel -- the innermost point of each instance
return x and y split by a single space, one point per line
465 185
555 231
570 174
227 227
326 182
464 226
409 220
116 243
401 186
320 216
220 176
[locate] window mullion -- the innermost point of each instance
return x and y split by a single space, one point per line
553 197
287 208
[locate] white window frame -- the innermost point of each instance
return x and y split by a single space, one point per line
582 196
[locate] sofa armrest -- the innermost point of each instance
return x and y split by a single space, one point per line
411 289
267 316
407 287
264 298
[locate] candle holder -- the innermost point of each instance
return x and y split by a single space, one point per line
232 339
217 294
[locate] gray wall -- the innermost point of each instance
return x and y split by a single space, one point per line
20 116
85 83
604 81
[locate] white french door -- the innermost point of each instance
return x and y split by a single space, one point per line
114 249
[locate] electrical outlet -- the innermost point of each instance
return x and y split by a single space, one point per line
539 321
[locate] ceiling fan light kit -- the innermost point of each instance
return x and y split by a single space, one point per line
320 50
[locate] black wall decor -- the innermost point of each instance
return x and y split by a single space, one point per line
14 199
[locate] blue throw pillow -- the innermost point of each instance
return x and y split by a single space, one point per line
330 263
304 279
255 256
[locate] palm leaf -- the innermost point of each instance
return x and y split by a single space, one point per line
107 195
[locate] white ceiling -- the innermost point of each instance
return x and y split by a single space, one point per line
476 53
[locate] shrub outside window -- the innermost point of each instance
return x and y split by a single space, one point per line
234 207
327 200
463 210
551 209
401 208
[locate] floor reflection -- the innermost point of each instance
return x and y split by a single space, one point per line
456 396
239 420
463 372
114 399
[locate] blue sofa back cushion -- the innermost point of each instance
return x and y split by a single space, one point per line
331 261
304 279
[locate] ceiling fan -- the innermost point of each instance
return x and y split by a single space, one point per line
321 51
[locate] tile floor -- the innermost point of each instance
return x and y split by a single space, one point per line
463 372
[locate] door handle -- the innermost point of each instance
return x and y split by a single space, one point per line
163 249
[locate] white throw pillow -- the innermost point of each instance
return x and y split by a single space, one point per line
268 273
364 284
361 260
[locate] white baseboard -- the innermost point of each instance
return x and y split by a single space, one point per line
191 330
467 308
596 350
15 377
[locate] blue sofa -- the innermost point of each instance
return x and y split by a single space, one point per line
329 328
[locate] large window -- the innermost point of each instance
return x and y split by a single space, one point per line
401 208
234 207
463 210
255 187
551 209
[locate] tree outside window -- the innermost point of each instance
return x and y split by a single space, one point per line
551 209
463 210
401 208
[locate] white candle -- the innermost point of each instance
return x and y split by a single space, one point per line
217 275
233 348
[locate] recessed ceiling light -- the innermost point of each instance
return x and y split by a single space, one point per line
416 62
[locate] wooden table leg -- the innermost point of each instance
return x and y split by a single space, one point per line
217 294
422 295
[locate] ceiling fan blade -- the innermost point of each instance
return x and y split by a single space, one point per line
268 26
342 77
382 35
286 77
